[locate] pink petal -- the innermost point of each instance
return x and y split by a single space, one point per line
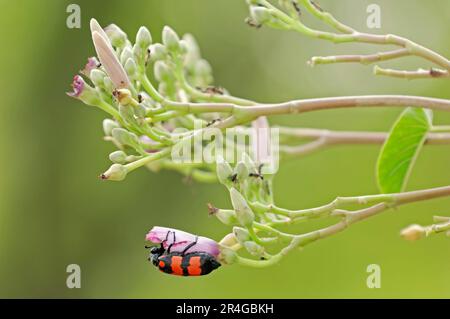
110 62
158 235
77 85
261 139
90 65
96 27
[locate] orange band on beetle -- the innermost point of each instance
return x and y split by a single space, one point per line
195 266
176 265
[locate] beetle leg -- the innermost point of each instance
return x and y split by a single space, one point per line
189 246
173 242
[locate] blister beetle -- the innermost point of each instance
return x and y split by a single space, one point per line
182 263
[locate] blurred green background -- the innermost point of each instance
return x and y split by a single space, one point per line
54 211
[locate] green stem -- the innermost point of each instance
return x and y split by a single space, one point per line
242 114
269 229
412 75
148 159
326 17
259 263
150 89
211 97
441 129
437 228
380 203
112 111
350 35
255 237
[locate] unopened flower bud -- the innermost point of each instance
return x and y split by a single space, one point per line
97 77
162 72
110 61
124 137
183 47
226 216
193 51
109 125
95 27
109 86
253 248
203 72
229 240
170 39
242 234
157 52
227 256
241 171
131 68
117 37
244 213
203 68
125 55
413 232
224 171
143 38
139 54
116 172
260 14
118 157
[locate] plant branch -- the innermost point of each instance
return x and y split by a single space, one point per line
412 75
347 34
440 135
415 232
247 113
379 204
309 105
325 138
359 58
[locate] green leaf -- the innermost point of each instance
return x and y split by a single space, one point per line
401 148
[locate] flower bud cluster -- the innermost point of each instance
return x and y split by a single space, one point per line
262 15
247 188
116 81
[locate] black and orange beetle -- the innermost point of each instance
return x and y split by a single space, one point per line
182 263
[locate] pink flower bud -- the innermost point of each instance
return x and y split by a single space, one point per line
180 239
77 85
107 56
96 27
83 91
90 65
110 61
